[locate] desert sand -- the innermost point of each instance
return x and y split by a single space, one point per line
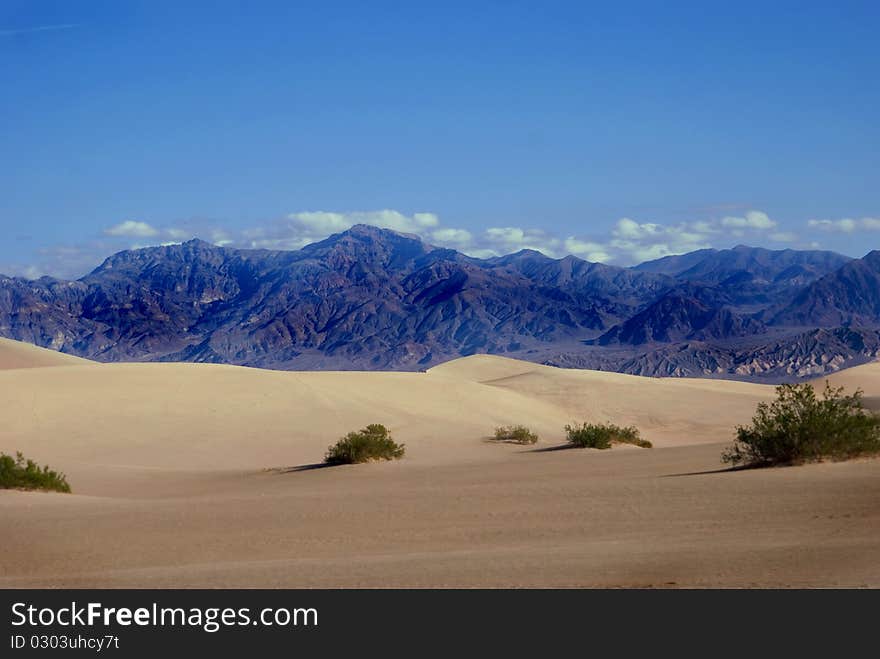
16 354
197 475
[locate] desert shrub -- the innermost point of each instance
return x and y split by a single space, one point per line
371 443
603 435
28 475
799 427
515 435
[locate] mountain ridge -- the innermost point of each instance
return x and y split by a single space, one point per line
376 299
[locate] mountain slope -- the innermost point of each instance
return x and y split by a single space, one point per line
714 266
752 277
813 353
850 295
374 299
365 298
687 312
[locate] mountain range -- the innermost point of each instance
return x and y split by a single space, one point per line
373 299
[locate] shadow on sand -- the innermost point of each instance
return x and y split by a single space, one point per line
308 467
723 470
549 449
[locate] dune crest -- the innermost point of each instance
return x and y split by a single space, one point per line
103 423
17 354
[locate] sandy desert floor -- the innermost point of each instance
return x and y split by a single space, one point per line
190 475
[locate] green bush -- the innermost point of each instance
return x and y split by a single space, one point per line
371 443
799 427
515 435
28 475
603 435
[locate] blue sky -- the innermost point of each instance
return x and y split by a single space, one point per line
617 133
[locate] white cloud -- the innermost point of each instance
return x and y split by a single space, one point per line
634 242
751 220
630 229
132 229
846 225
591 251
305 227
704 227
28 272
651 252
628 242
504 240
426 220
323 221
178 234
459 238
221 238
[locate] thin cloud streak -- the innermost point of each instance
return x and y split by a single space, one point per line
38 28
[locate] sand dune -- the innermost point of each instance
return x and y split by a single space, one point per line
167 465
16 354
204 416
865 377
669 411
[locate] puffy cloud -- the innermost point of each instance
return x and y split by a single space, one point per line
305 227
327 222
178 234
631 230
628 242
459 238
846 225
633 242
504 240
591 251
751 220
221 238
132 229
704 227
426 220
